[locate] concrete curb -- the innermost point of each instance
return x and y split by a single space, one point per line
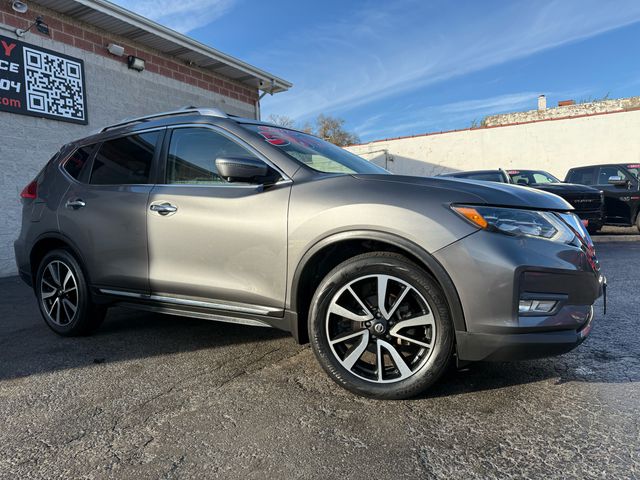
615 238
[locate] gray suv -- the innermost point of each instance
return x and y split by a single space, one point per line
389 277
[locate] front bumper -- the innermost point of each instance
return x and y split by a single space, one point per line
522 346
594 217
492 272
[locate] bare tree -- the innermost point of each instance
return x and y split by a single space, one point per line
282 120
329 128
332 130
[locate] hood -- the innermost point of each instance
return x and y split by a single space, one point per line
489 193
562 188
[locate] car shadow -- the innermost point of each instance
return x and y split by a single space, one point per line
28 347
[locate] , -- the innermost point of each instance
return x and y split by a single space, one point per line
201 214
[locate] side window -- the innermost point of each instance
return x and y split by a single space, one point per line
605 172
125 161
193 153
486 177
583 176
520 179
78 162
540 178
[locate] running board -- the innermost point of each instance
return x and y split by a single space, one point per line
194 314
253 310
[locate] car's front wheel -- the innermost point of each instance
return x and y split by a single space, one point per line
63 296
380 326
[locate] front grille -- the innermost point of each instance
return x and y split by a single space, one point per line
585 201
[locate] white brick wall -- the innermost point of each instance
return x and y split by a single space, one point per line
554 145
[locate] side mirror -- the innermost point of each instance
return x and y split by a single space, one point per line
618 181
241 169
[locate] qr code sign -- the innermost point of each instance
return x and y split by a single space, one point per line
53 85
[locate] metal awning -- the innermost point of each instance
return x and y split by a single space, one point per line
119 21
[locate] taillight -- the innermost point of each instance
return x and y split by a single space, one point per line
30 191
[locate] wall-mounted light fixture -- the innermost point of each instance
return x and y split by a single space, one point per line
40 25
19 7
135 63
117 50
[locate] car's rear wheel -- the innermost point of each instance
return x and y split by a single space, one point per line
63 296
380 326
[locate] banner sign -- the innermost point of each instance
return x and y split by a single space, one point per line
42 83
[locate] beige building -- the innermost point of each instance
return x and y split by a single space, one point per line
552 139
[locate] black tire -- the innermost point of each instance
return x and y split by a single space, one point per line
359 269
60 316
638 222
593 229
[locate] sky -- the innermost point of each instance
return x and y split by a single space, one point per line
406 67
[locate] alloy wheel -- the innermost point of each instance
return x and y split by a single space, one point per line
59 293
380 328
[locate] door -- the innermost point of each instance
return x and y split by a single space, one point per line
617 198
213 241
104 212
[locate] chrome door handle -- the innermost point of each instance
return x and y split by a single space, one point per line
75 204
163 208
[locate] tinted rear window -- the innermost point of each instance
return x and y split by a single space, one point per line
583 176
125 160
485 177
78 162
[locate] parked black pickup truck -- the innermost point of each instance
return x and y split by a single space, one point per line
621 186
587 201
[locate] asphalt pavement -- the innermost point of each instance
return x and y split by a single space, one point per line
153 396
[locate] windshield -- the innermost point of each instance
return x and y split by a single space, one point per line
635 170
485 177
530 177
314 152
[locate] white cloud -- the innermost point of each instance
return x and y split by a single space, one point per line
183 15
400 47
440 116
444 116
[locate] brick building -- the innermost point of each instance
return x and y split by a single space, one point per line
98 63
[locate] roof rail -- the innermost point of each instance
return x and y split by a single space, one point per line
210 112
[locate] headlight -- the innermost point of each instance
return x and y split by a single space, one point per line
513 221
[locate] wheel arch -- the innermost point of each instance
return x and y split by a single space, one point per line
48 242
327 253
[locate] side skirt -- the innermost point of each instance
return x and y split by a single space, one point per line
256 316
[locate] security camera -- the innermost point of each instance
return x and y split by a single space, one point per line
116 50
19 7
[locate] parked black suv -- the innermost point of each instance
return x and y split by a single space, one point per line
621 188
588 202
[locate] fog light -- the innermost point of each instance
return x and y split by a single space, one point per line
537 306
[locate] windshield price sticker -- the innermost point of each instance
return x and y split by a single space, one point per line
281 137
